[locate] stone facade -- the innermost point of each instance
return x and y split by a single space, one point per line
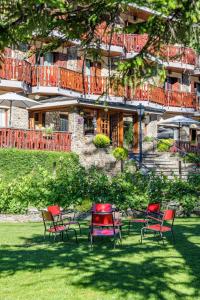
52 119
82 145
19 117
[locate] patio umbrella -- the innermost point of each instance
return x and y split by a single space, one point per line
180 121
13 99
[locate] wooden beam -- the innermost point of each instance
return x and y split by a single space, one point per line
121 130
31 120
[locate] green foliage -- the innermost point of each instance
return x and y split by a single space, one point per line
120 153
21 20
148 139
192 158
73 185
101 141
164 145
128 135
16 163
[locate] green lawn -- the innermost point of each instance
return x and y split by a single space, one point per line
32 269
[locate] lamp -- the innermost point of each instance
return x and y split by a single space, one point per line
140 110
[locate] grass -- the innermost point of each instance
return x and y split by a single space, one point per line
33 269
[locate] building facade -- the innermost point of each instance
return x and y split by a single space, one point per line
88 104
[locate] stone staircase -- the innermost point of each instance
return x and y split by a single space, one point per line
167 164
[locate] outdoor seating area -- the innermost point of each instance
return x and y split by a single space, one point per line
31 265
106 221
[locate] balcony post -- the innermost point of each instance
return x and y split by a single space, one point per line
135 133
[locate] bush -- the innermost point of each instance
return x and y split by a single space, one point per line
192 158
74 185
164 145
101 141
149 139
120 153
16 163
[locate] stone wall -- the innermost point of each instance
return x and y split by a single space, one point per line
19 117
82 145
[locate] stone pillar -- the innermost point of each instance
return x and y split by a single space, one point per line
19 118
76 128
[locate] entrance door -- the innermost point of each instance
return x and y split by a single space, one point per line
114 129
111 124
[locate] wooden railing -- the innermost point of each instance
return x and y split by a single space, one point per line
188 147
16 69
34 140
135 43
54 76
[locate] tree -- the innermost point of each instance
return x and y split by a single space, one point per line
171 21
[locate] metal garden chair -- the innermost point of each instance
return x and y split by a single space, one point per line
160 227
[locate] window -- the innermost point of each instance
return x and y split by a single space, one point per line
89 124
48 59
63 123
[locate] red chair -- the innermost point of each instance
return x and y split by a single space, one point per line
106 208
103 225
152 209
51 226
56 212
160 227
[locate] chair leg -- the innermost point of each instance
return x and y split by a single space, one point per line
129 227
76 235
114 242
142 234
173 238
120 237
79 227
91 241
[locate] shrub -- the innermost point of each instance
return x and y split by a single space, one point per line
120 153
192 158
128 135
101 141
149 139
16 162
164 145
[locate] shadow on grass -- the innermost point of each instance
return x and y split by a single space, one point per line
148 269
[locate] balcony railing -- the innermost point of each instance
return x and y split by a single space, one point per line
52 76
16 69
34 140
135 43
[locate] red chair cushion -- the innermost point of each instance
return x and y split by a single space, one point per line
104 232
158 227
138 221
57 228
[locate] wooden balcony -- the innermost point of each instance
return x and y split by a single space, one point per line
16 69
135 43
54 76
34 140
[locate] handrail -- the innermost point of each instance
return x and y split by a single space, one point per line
34 139
135 42
59 77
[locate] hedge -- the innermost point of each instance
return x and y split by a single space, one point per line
15 163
